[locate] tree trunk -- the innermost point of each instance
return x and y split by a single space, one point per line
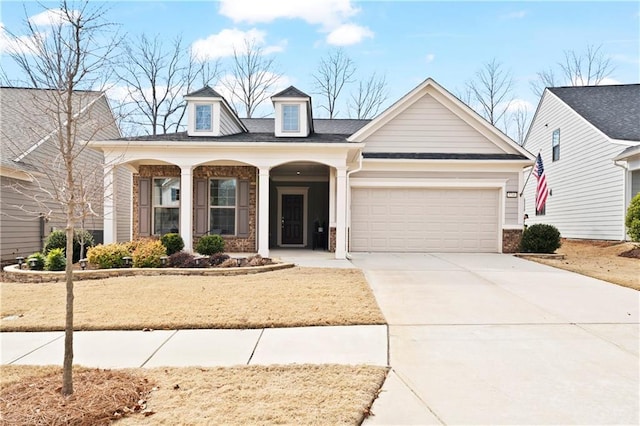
67 366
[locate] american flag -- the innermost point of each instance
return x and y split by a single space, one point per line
542 191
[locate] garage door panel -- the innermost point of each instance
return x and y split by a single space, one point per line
424 219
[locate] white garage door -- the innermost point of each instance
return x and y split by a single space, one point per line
424 219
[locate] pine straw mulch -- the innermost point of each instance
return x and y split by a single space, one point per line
99 397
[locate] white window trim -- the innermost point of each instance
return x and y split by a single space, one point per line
235 207
154 205
297 130
293 190
195 120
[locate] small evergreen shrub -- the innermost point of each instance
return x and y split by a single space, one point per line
182 259
108 256
173 243
632 219
39 261
210 244
217 259
540 238
58 239
148 253
55 260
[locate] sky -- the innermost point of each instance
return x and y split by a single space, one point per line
406 41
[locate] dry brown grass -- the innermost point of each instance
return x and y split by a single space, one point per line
256 395
598 259
287 298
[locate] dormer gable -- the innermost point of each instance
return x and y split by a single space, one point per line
292 113
209 114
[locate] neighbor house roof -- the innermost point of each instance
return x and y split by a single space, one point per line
614 110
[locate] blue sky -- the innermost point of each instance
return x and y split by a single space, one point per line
407 41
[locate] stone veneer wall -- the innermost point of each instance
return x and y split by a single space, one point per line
232 244
511 240
332 239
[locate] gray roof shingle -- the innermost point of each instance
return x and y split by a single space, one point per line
614 110
291 92
205 92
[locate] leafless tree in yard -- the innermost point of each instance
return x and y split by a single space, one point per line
72 54
252 76
369 96
520 119
333 73
156 78
546 78
492 91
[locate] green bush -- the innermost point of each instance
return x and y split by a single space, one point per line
540 238
210 244
58 239
108 256
173 243
148 253
632 220
38 265
56 260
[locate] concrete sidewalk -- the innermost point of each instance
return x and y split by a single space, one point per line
365 344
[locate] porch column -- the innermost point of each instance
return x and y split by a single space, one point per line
109 221
332 197
341 213
186 207
263 212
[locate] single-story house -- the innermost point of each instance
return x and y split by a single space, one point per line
589 141
426 175
30 166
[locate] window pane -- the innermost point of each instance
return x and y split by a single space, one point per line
165 220
203 117
290 118
223 221
223 192
166 192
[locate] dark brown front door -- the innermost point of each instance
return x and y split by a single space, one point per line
292 220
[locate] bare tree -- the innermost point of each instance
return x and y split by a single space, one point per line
492 91
520 119
156 79
366 101
333 73
546 78
72 53
252 76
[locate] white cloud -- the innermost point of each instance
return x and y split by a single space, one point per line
51 17
348 34
21 44
519 104
608 82
328 13
223 44
430 57
519 14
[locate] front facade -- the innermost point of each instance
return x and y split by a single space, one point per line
589 141
31 169
428 174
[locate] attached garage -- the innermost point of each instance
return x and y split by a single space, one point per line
425 220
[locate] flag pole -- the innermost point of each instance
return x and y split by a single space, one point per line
530 172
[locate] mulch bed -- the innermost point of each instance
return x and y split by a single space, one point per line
634 253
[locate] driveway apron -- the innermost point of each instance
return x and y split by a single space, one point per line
494 339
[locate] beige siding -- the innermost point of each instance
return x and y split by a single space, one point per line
228 126
428 126
511 204
587 198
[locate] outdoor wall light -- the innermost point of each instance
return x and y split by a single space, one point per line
127 261
83 263
20 260
163 260
32 263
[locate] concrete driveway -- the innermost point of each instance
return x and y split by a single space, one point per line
493 339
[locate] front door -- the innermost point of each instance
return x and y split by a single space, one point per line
292 219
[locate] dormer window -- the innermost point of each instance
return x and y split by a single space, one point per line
290 118
203 118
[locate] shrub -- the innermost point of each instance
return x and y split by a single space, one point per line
173 243
58 239
39 261
210 244
182 259
217 259
632 220
55 260
108 256
540 238
148 253
229 263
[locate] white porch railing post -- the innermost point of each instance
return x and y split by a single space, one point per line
186 207
263 212
341 213
109 205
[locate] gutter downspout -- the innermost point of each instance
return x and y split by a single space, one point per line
625 169
357 169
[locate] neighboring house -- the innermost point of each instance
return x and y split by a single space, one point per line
589 140
428 174
29 166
